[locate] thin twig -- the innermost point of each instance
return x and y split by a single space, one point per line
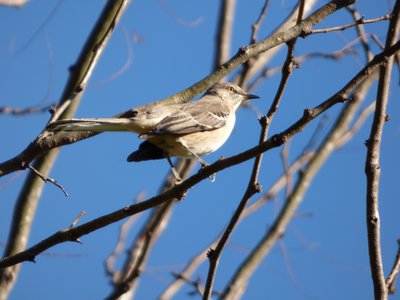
360 21
244 74
78 217
365 113
48 179
251 70
270 71
285 163
120 245
361 32
375 38
312 142
39 29
196 284
256 26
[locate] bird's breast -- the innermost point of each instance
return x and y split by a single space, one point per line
200 143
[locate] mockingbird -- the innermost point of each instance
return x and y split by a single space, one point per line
189 130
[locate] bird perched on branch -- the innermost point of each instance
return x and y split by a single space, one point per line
189 130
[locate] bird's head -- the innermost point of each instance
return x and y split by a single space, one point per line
231 93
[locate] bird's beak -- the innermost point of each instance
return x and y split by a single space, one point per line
251 96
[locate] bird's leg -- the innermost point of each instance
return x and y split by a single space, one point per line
202 162
177 177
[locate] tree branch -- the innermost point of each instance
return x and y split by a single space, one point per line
360 21
224 32
372 167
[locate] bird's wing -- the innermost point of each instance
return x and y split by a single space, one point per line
194 117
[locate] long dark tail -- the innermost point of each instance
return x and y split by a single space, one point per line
146 151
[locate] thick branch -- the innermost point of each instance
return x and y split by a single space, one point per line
372 167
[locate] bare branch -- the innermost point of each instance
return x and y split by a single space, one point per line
372 167
256 26
361 32
258 65
360 21
78 217
39 29
224 32
365 113
48 179
120 245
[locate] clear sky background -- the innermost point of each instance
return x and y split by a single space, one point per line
160 48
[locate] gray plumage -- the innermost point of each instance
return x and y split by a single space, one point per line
189 130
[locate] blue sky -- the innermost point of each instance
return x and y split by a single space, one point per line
324 252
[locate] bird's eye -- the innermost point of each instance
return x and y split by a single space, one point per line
230 88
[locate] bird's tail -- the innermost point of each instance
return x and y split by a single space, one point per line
95 125
146 151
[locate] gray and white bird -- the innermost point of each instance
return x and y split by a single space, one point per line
189 130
